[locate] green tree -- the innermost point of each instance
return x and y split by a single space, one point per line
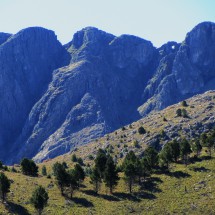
29 167
44 172
197 147
209 143
72 182
79 174
165 155
145 168
95 179
152 156
185 150
4 186
111 177
61 176
100 162
175 147
39 199
130 169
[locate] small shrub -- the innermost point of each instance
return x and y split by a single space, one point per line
141 130
184 113
80 161
44 172
49 176
90 157
74 158
178 112
184 103
136 144
123 128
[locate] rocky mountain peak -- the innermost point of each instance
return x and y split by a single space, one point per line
4 37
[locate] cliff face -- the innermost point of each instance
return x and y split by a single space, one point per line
55 98
192 70
27 60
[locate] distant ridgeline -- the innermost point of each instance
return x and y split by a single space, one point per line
55 98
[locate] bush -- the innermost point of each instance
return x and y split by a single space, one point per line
184 113
178 112
184 103
136 144
123 128
90 157
141 130
74 158
80 161
44 172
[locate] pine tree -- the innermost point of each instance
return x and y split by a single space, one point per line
175 147
39 199
165 156
79 174
72 182
95 179
152 156
61 176
197 147
111 177
29 167
100 162
145 168
4 186
185 150
130 169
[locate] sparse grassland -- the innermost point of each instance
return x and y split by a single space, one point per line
184 190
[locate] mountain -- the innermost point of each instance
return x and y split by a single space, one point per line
98 92
55 98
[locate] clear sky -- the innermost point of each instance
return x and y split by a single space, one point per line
156 20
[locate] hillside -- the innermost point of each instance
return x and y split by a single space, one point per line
183 190
167 195
200 118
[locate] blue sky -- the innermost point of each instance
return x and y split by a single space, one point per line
156 20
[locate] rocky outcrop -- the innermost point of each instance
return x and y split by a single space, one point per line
27 60
191 70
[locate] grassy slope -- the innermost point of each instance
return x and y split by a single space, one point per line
165 196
